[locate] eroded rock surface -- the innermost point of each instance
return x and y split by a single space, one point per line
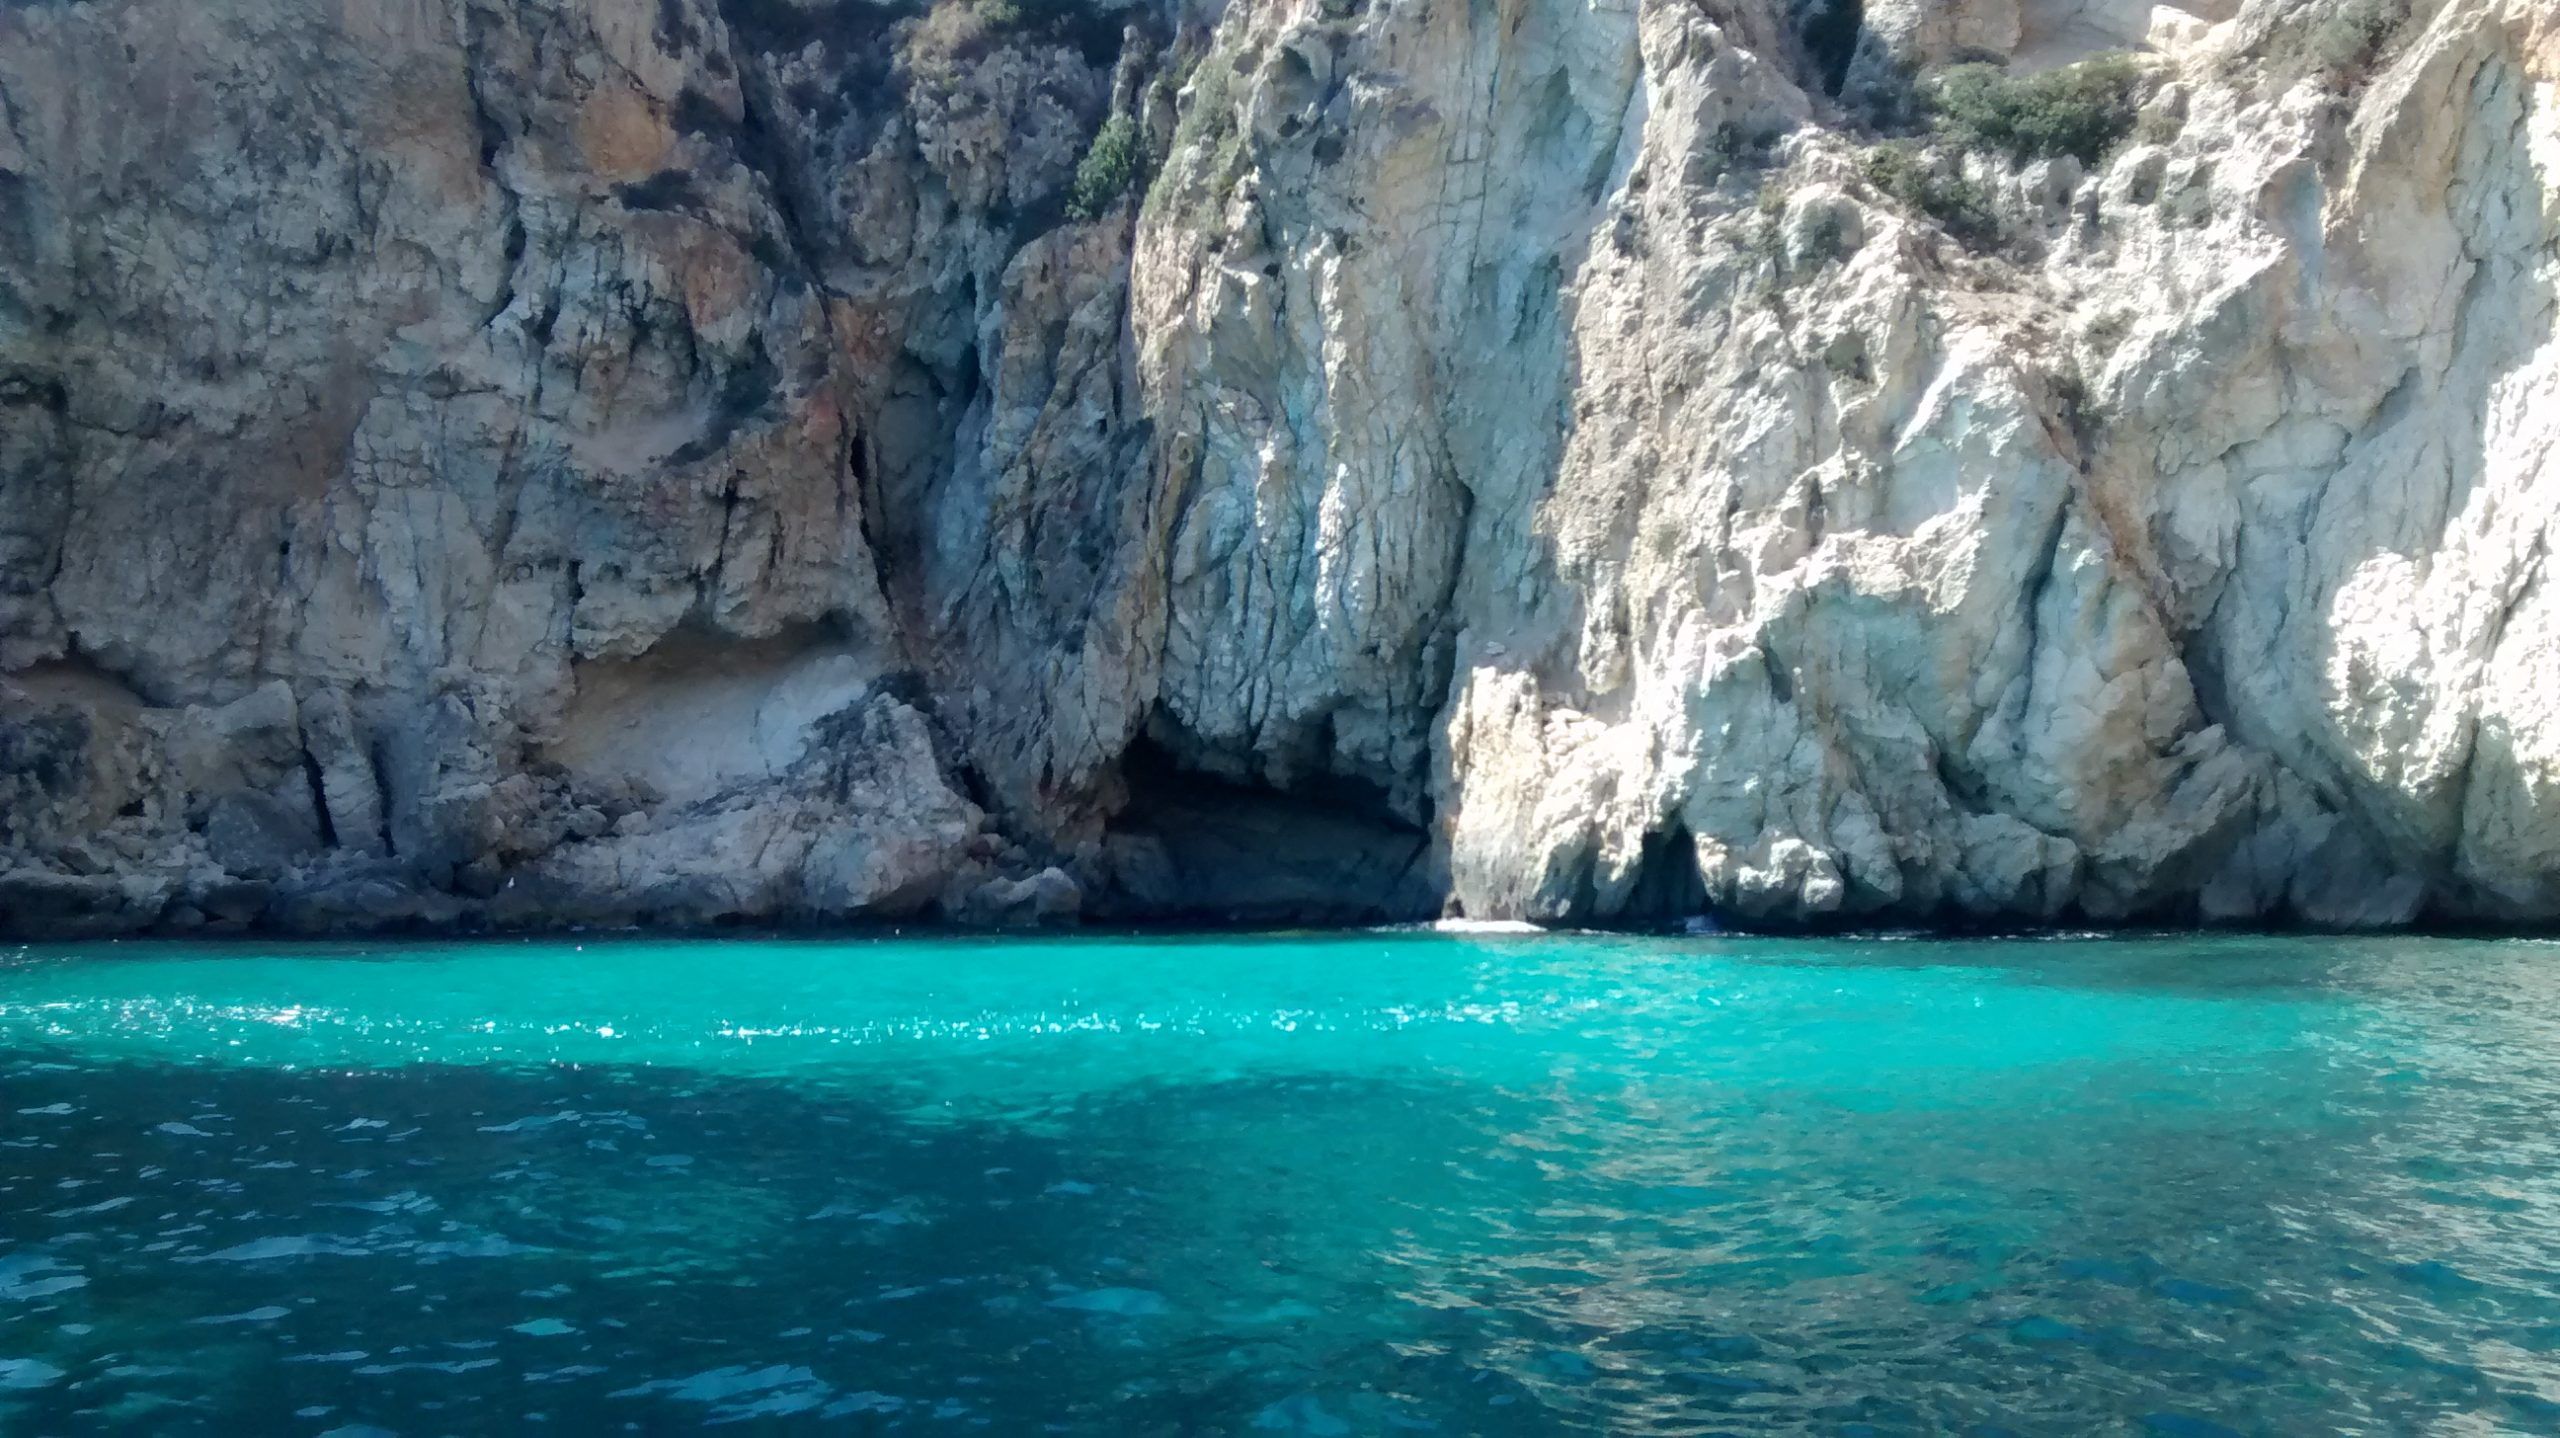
586 461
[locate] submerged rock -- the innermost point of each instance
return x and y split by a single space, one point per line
1115 1302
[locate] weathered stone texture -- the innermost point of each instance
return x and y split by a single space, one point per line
593 461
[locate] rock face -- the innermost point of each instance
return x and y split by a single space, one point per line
587 461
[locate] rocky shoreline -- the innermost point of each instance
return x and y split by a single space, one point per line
1807 462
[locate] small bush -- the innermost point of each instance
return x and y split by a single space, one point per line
1206 156
949 35
1817 237
1936 188
855 32
1741 147
1823 238
2346 41
955 32
1109 165
1665 538
2081 110
2081 410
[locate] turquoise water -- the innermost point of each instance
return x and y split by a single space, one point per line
1364 1184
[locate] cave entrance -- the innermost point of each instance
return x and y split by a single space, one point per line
1198 848
1667 888
1829 30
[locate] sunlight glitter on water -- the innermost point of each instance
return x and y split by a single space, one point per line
1354 1184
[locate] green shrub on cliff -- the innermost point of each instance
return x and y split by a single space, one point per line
1105 173
1206 156
1932 183
2080 110
2347 40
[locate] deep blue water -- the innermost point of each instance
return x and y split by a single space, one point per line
1365 1184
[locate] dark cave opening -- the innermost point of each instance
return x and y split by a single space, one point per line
1829 30
1191 847
1667 888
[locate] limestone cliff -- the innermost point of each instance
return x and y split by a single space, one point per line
682 461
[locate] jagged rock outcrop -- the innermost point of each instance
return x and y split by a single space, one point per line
586 461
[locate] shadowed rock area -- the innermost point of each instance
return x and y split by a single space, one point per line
596 462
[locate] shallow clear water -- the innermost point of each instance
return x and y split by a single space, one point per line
1344 1185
